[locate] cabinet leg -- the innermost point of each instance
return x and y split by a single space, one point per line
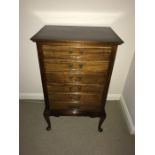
102 118
47 118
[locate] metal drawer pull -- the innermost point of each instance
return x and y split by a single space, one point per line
71 88
70 52
78 88
81 51
70 65
70 78
80 66
78 97
79 78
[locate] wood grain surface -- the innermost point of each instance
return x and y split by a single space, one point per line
72 87
69 53
76 65
76 77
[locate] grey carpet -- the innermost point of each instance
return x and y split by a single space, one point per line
73 135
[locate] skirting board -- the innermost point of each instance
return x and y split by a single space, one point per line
127 116
31 96
39 96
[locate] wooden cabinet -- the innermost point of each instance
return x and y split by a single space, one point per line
76 65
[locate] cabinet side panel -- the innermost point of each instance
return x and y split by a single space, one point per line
112 60
42 72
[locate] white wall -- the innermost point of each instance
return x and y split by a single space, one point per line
119 14
129 91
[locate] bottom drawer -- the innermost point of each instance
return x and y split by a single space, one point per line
75 105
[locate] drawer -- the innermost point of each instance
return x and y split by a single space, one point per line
85 66
53 87
52 52
76 97
71 77
75 106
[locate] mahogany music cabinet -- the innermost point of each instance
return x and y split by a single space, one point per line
76 64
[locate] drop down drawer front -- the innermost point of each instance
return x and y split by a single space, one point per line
74 100
70 53
72 87
76 77
77 96
70 65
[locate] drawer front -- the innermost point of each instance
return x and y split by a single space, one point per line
85 66
52 52
74 88
75 106
76 97
66 77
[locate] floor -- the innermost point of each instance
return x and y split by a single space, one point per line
73 135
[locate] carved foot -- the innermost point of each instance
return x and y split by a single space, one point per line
48 128
47 118
100 123
100 129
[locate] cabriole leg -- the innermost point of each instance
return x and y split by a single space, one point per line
102 118
47 118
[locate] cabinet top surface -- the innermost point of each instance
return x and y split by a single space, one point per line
77 33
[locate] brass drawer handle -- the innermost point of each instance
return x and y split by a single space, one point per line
80 66
81 51
70 52
78 88
70 78
78 97
70 66
79 78
71 88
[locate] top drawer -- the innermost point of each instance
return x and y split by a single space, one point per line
82 66
62 52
